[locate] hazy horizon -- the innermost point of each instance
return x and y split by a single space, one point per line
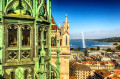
90 38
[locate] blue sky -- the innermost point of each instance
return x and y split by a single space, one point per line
96 18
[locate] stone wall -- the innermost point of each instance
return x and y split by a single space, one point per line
64 66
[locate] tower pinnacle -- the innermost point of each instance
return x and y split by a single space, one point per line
59 25
65 21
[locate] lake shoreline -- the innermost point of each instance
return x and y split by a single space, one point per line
91 44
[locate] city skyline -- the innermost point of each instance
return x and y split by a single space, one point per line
96 18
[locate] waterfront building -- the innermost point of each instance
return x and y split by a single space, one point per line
95 65
80 71
26 27
93 53
105 59
76 55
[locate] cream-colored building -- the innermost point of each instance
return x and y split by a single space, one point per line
90 53
95 65
86 69
62 34
80 71
105 59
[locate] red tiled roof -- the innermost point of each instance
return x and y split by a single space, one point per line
114 77
53 27
95 62
103 73
72 77
117 72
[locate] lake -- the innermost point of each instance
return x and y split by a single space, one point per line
78 43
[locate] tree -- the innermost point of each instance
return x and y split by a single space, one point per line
109 50
115 44
71 48
75 49
79 48
117 47
92 49
98 48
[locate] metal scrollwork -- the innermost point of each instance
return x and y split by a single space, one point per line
8 71
12 26
25 54
12 55
42 11
26 27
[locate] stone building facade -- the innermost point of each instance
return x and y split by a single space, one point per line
61 33
80 71
95 65
86 69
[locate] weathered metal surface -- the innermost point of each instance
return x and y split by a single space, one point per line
29 60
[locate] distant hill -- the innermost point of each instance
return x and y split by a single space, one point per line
112 39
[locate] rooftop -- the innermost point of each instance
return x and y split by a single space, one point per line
76 65
103 73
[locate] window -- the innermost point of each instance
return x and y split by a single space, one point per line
60 33
13 33
53 42
45 32
60 42
12 36
25 36
66 40
39 36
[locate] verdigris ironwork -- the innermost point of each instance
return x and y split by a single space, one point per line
25 40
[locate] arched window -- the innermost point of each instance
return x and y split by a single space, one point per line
45 36
45 32
12 36
60 33
39 36
60 42
26 35
53 42
66 40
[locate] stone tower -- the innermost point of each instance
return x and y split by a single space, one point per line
62 34
25 40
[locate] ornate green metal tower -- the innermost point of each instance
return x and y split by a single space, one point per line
25 40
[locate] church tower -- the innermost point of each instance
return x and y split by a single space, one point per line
25 40
61 34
